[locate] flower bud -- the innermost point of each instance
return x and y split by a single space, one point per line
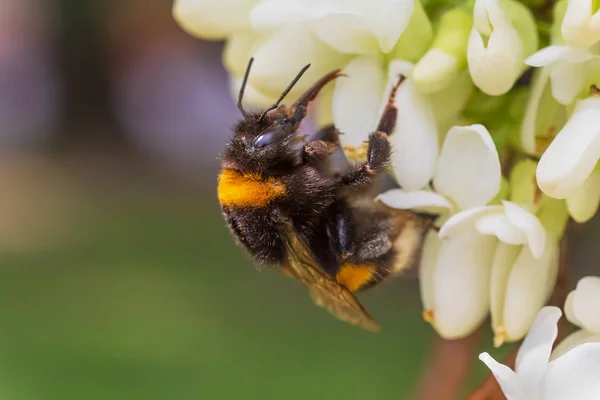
572 156
581 23
582 308
523 267
583 304
455 282
521 285
504 33
448 54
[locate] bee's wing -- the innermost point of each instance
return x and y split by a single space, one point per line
325 292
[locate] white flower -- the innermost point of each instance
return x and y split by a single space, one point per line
571 376
582 308
503 35
523 268
455 283
467 174
581 23
568 68
329 33
566 169
360 27
277 34
284 53
455 273
213 19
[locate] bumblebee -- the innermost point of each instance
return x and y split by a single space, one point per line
288 208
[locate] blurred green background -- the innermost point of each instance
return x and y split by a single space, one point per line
118 277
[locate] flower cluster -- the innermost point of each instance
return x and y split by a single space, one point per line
571 375
502 153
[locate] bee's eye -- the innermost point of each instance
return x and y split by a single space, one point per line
270 137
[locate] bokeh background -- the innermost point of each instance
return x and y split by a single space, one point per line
118 277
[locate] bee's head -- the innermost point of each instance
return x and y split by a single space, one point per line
269 142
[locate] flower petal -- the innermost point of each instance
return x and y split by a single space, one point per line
435 70
583 202
570 311
429 256
574 375
509 381
212 19
573 340
574 152
402 199
487 15
415 138
468 169
527 289
357 99
504 259
495 68
567 81
388 19
575 27
364 28
529 224
252 97
282 56
238 50
466 221
271 15
500 226
586 303
534 353
462 283
347 33
552 54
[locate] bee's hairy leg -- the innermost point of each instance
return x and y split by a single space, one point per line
378 157
388 119
379 150
317 150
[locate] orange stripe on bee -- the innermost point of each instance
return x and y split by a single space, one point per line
355 276
246 189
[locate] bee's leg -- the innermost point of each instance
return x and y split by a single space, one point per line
378 157
379 150
317 150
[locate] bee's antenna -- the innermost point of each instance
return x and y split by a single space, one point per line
243 87
285 92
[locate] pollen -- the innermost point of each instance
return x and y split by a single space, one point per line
429 316
356 154
239 189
